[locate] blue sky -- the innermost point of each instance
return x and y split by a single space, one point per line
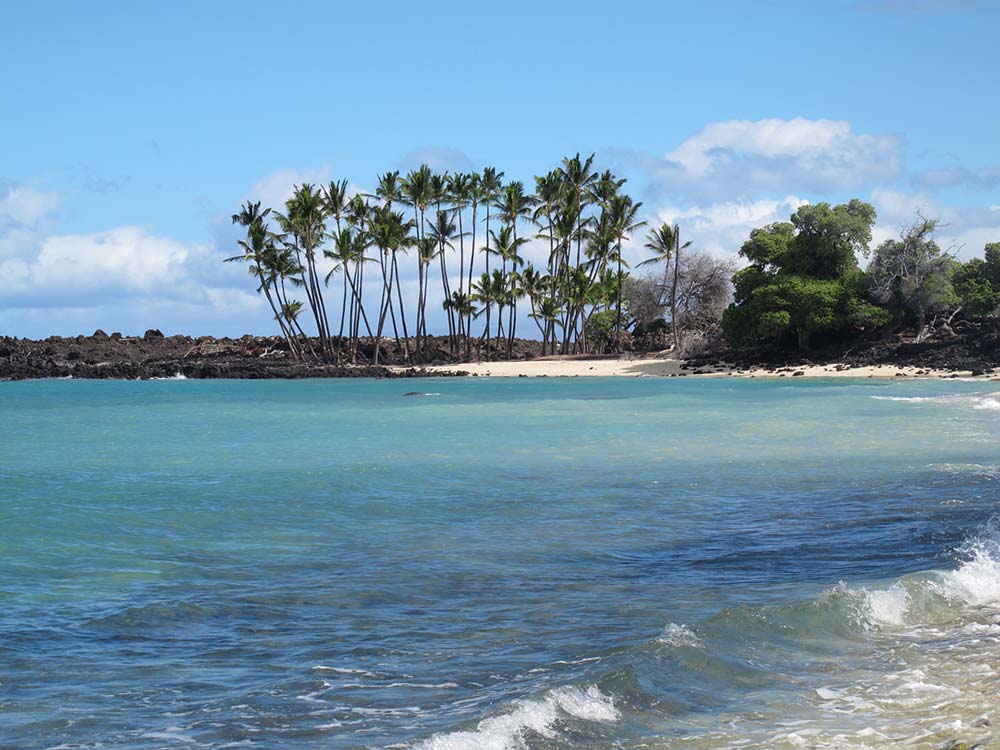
131 131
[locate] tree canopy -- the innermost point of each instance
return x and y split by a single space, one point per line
803 280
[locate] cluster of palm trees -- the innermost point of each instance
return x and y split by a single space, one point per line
476 220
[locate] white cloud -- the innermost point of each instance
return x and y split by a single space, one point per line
276 188
126 255
127 272
25 206
25 215
965 230
721 228
742 158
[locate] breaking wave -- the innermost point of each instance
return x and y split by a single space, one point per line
904 662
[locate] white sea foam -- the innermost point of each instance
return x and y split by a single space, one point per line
680 635
887 606
348 670
381 685
910 399
175 376
977 579
990 404
979 401
506 732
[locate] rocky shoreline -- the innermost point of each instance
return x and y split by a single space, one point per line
153 355
969 348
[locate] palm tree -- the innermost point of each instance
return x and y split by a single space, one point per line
389 188
460 193
476 195
573 204
257 244
443 232
665 242
358 215
282 266
390 232
533 284
464 306
304 220
580 177
622 222
427 250
548 190
482 291
550 313
491 184
340 255
335 200
513 205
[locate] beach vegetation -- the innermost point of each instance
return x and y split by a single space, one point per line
432 221
803 281
492 253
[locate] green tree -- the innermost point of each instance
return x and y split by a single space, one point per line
803 280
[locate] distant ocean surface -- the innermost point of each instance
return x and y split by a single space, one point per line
536 564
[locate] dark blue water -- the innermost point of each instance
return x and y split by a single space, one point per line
499 564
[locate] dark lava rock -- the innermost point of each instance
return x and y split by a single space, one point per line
152 333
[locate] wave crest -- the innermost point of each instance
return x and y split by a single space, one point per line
506 732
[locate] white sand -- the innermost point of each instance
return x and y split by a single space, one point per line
554 367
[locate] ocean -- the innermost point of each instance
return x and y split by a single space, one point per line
499 564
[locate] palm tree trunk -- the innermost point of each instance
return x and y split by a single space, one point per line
292 347
402 312
472 263
674 321
618 322
343 304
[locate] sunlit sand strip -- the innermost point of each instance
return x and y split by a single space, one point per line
555 367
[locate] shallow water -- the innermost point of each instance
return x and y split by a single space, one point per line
544 564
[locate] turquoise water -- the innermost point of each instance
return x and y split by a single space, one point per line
495 564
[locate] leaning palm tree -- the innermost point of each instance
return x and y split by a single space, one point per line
258 243
665 242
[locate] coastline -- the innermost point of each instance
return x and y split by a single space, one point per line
155 356
573 367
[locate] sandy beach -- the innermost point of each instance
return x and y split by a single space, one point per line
555 367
